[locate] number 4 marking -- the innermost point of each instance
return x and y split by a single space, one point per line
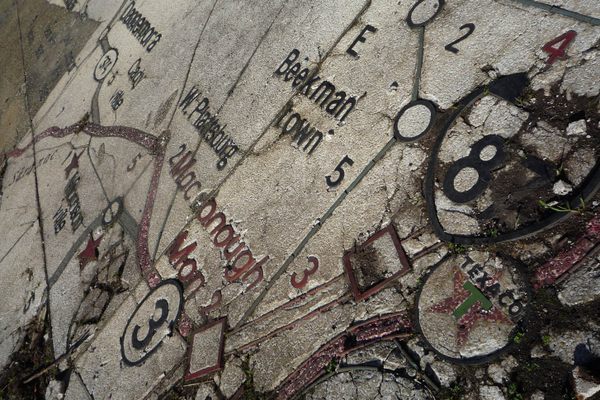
565 39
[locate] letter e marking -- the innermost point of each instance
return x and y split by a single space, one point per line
360 38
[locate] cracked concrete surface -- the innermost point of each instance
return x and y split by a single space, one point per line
338 200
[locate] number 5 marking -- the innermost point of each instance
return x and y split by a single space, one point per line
307 272
133 163
340 171
470 29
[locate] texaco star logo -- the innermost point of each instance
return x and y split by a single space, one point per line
470 306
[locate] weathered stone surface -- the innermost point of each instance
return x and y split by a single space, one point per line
582 286
329 198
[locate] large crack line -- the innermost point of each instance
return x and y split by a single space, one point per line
35 174
315 229
96 171
185 82
341 198
262 38
229 93
17 242
189 69
283 109
419 66
559 10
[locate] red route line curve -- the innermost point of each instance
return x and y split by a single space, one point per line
320 310
385 327
143 254
290 304
147 141
552 270
143 139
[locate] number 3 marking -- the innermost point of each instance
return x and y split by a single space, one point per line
307 272
470 29
153 325
146 321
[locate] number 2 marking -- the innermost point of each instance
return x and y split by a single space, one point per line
215 302
153 325
307 273
566 38
470 29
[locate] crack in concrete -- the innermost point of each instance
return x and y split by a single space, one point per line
559 10
419 66
181 94
96 171
17 242
35 174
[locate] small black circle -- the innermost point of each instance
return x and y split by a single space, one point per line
148 353
409 19
432 113
112 212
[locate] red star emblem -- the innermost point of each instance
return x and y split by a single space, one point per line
475 312
73 164
90 253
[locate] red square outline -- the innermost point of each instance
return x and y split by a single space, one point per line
195 375
356 292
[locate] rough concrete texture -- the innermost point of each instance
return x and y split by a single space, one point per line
299 199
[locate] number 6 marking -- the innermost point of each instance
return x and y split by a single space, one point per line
307 272
340 171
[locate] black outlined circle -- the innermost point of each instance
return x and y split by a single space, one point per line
483 168
509 88
409 19
105 64
112 212
172 321
485 358
432 113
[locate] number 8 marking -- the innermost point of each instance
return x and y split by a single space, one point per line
482 166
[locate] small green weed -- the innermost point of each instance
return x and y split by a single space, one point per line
457 248
563 207
546 339
331 366
513 392
530 367
519 337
